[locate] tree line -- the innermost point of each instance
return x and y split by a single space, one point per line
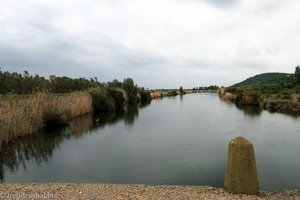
211 87
24 83
13 82
106 96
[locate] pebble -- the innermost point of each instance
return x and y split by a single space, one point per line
123 191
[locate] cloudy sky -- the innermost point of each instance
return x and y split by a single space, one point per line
159 43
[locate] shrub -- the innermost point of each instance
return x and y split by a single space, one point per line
251 98
172 93
101 100
145 96
255 98
297 73
118 97
131 90
238 99
56 119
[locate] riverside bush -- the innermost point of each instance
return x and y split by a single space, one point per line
145 96
101 100
118 97
131 90
56 119
172 93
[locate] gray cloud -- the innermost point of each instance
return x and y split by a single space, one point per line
157 43
222 3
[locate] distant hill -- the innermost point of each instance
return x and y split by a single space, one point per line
268 78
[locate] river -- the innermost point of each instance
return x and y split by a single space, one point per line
177 140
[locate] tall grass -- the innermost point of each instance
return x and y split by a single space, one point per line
24 114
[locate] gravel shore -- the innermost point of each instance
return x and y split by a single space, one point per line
119 191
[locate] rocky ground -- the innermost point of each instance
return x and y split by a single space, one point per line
115 191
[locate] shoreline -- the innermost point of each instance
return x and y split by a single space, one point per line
279 106
128 191
159 94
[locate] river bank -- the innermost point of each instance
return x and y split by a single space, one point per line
31 103
273 102
158 94
125 191
25 114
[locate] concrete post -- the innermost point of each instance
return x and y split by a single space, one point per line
241 174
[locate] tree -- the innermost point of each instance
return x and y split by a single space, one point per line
145 96
297 73
181 90
131 90
25 73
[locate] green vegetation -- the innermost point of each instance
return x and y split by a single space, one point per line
27 84
102 100
205 88
115 91
29 103
133 93
269 79
297 74
211 87
172 93
131 90
56 119
118 97
145 96
160 93
271 91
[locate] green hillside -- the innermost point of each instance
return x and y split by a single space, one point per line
268 79
271 91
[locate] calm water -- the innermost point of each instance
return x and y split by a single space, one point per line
176 140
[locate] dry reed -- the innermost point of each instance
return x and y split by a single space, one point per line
24 114
156 95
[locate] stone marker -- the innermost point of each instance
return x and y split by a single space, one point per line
241 173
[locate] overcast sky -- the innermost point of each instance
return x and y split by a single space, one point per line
159 43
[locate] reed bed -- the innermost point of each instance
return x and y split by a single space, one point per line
24 114
156 95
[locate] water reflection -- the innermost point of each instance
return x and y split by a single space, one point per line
256 111
168 144
145 104
39 147
130 115
252 111
82 124
100 120
36 147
